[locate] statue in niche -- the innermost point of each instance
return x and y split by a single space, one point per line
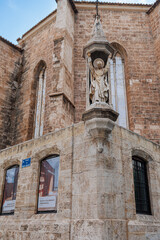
99 89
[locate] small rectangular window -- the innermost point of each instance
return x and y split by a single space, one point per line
48 185
141 186
10 190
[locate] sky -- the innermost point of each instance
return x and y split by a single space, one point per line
18 16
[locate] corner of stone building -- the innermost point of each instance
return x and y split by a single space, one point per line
154 22
11 113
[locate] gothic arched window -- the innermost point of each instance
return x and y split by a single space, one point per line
40 103
141 187
10 190
118 89
48 184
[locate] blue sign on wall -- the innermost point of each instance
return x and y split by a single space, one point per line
26 162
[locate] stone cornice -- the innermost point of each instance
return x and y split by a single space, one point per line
90 5
113 6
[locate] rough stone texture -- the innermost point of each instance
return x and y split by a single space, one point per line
155 28
96 193
58 41
131 34
38 47
52 44
10 74
96 188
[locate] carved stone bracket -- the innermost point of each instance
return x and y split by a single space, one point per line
99 123
99 129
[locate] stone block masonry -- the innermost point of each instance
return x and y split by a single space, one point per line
10 77
95 193
131 30
154 17
59 44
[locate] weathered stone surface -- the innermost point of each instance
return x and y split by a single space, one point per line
96 188
100 111
131 35
59 43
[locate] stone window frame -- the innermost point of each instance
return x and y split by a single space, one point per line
36 72
4 167
41 70
146 157
36 159
44 159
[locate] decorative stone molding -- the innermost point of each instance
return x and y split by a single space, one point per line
100 110
139 152
9 163
98 42
99 122
99 129
97 52
40 155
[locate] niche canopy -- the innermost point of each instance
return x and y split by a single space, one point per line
98 46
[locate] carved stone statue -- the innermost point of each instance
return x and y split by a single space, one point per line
99 89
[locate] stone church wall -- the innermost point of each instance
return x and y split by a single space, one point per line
154 17
130 29
37 47
52 43
96 190
10 71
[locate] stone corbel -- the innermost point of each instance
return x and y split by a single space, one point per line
99 123
99 129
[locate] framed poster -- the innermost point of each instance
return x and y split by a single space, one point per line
48 185
10 190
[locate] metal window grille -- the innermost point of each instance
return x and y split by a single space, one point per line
141 188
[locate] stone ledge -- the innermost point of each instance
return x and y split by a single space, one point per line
57 94
100 112
99 122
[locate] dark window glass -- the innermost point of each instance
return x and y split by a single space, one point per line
10 190
141 186
48 185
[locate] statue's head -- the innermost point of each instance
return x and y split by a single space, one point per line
98 63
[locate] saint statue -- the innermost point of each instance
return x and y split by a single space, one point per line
99 89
